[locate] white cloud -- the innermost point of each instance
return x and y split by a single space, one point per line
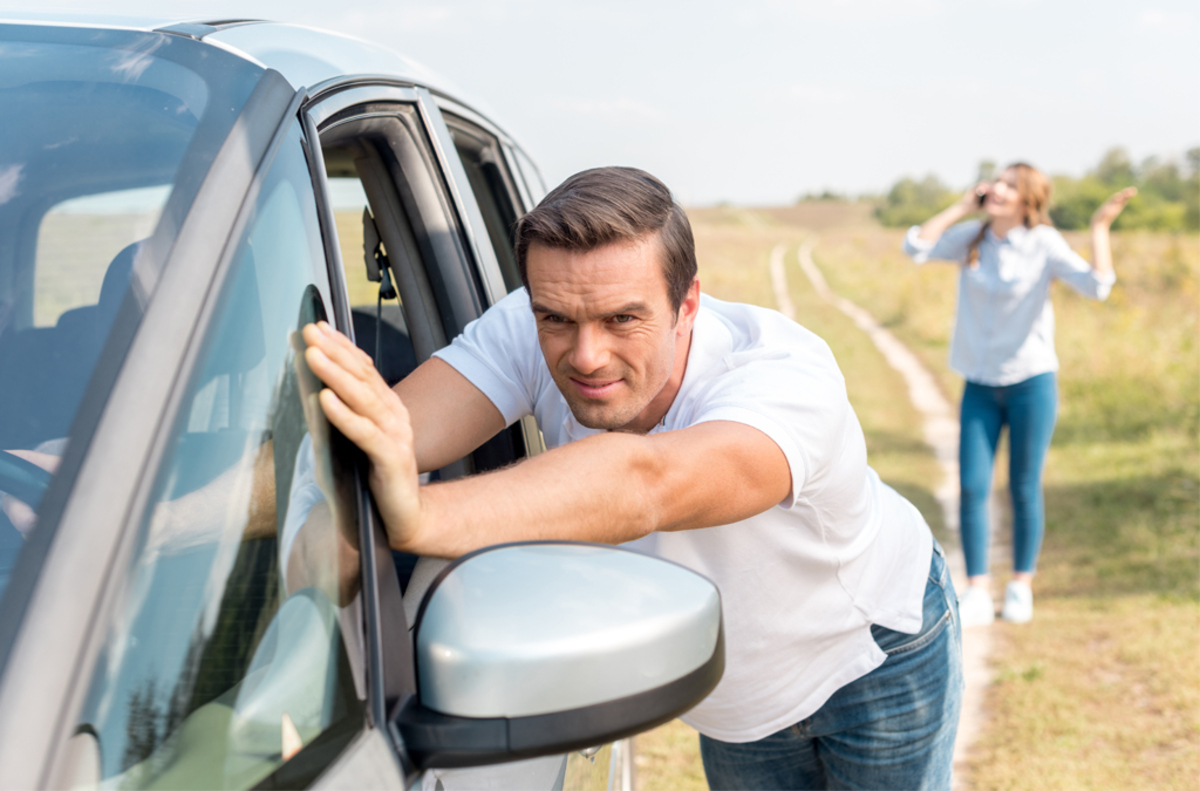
130 64
1164 21
857 10
813 93
10 178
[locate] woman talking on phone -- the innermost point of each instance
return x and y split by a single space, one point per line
1003 346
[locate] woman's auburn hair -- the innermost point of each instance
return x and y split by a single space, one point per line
1034 189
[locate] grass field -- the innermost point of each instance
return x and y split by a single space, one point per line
1102 690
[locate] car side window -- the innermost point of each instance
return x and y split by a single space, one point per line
531 176
494 188
386 187
233 654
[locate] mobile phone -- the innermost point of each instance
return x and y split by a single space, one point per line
979 199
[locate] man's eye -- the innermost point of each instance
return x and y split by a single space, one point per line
553 319
623 318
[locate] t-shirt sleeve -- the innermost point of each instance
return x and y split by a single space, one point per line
800 403
499 354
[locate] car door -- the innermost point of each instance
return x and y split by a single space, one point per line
405 214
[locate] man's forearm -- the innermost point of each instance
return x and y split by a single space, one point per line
602 489
609 488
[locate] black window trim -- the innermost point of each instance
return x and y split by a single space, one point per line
390 671
487 269
508 146
511 179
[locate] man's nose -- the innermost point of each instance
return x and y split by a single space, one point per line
590 352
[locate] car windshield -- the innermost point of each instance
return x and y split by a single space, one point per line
106 135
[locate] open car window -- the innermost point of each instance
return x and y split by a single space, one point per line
233 655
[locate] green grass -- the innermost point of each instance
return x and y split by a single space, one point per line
1102 689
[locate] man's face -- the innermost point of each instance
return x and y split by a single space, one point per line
614 346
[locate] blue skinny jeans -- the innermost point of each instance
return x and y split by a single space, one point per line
1029 408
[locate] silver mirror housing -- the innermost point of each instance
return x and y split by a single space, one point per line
537 648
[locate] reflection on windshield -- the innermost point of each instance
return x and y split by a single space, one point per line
96 126
228 651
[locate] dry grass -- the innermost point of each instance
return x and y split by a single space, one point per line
1095 693
1102 690
668 759
350 236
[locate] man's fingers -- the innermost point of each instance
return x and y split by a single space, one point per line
344 342
338 348
369 397
362 431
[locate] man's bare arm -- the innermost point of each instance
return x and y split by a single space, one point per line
450 416
609 488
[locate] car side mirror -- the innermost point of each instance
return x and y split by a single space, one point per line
532 649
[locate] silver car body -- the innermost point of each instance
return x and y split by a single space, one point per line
44 681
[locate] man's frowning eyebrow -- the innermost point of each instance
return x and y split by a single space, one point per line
632 307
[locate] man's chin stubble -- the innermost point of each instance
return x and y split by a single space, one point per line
602 421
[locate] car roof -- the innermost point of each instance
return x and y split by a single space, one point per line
305 56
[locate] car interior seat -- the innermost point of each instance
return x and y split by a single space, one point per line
45 370
397 357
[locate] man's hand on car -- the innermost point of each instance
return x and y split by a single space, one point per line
360 404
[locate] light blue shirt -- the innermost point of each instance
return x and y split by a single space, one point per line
1004 325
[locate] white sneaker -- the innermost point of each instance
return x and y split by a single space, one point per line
1018 603
975 607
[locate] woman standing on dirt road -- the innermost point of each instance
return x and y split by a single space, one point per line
1003 345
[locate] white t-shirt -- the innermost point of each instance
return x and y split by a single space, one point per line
802 582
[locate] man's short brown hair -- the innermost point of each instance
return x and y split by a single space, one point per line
604 205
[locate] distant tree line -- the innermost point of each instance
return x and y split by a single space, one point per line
1168 194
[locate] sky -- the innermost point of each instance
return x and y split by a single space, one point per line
756 102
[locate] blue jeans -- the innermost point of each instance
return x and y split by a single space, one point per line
893 728
1029 408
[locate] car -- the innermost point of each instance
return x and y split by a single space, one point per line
196 587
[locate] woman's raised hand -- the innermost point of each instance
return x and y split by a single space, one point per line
1109 210
934 227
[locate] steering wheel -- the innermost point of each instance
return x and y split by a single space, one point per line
22 479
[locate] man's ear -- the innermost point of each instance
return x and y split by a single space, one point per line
688 308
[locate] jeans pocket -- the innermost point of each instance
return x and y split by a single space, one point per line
936 613
914 641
